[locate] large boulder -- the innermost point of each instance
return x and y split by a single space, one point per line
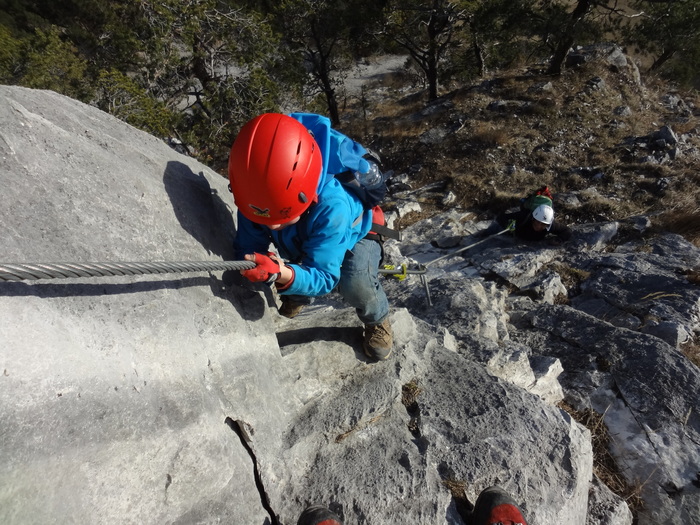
115 391
181 398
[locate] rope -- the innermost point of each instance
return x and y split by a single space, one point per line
35 271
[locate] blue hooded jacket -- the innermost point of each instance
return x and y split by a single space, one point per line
316 245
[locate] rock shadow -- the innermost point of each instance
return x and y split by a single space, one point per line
351 336
248 302
244 296
208 218
199 208
51 289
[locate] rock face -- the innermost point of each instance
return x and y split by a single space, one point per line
181 398
616 342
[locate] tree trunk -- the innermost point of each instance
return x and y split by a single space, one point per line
478 52
332 107
199 65
331 101
557 63
432 59
328 91
320 60
432 74
662 59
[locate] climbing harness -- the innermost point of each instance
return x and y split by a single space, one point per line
21 272
401 272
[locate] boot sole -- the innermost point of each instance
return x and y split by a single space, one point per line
377 357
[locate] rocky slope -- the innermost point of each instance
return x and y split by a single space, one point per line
182 399
609 142
608 343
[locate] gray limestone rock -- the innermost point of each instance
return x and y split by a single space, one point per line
185 398
547 371
651 407
594 236
115 391
610 362
604 508
645 290
546 286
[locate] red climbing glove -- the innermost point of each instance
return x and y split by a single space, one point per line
266 270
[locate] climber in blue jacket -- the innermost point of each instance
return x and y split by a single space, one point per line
282 172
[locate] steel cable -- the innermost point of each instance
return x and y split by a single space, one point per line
36 271
466 247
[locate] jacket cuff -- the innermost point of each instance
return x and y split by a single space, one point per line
282 287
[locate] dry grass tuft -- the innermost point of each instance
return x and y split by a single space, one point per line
601 209
458 490
409 398
503 200
410 392
489 137
691 350
543 107
686 224
693 276
456 487
571 278
604 464
361 425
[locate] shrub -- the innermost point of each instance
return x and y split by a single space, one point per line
122 97
50 63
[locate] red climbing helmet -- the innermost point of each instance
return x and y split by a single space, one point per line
274 167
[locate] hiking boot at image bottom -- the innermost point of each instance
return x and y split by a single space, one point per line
495 506
290 308
318 515
379 340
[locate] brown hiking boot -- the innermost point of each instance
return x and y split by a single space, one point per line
289 308
379 340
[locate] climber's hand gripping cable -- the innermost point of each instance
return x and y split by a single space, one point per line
267 268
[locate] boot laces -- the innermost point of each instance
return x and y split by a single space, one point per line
377 332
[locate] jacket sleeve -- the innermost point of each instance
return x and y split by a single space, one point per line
330 235
250 238
561 230
504 218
